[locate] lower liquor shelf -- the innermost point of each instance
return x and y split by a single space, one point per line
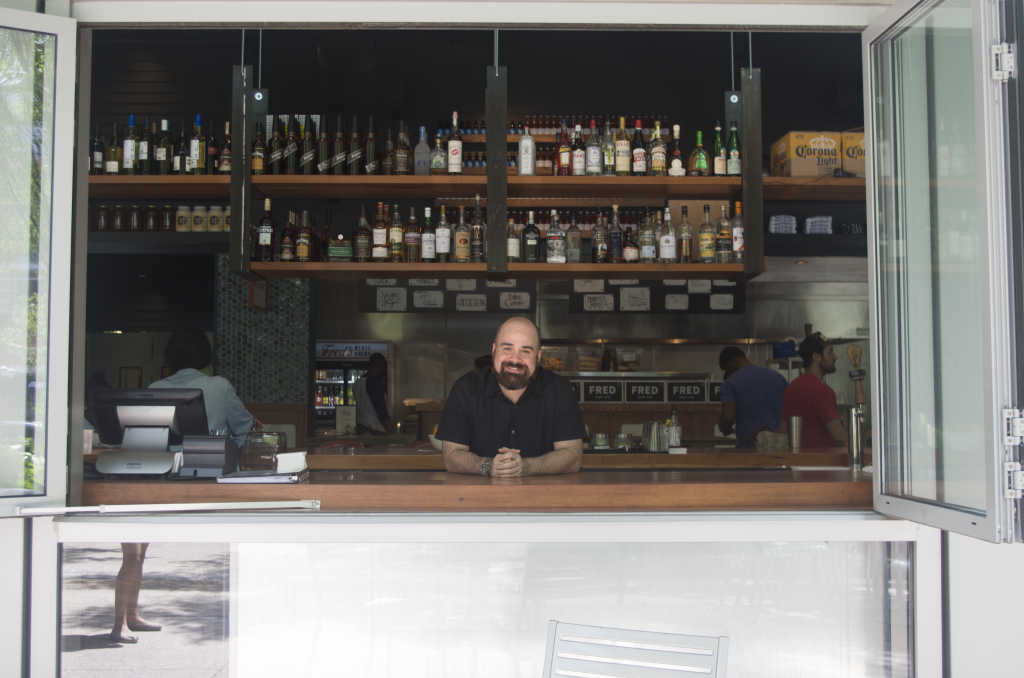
319 270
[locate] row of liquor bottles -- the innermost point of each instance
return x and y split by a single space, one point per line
391 238
302 145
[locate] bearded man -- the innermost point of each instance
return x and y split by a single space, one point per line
515 418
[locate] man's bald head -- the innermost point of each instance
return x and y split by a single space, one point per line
515 352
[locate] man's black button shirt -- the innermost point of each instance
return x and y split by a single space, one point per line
479 415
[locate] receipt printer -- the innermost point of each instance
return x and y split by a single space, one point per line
208 456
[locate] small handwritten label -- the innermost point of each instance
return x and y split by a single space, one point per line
635 299
677 302
587 286
382 282
598 302
428 299
602 392
623 282
645 391
424 282
686 392
514 301
391 299
722 302
501 283
700 287
471 302
460 285
724 283
674 283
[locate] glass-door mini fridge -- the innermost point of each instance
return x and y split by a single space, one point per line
337 365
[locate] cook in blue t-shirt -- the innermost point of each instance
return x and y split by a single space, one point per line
751 397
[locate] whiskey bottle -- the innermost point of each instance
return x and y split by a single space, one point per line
112 163
277 149
413 239
462 237
288 236
421 154
372 165
129 149
733 165
364 237
737 233
182 158
212 151
573 242
224 166
339 154
428 241
443 239
684 237
718 152
438 159
531 240
387 163
476 235
648 240
659 152
455 147
323 149
513 246
527 160
563 168
723 238
639 152
706 238
403 150
599 242
555 241
676 161
291 147
304 239
379 245
630 250
667 253
264 250
145 152
355 150
307 160
579 153
615 237
163 152
623 154
699 164
396 237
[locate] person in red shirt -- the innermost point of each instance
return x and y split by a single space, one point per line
812 399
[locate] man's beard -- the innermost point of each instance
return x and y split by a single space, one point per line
514 380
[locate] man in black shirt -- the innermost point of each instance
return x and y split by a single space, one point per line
514 418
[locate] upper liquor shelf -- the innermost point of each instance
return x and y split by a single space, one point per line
381 186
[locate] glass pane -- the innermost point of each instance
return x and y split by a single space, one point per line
464 610
27 62
930 260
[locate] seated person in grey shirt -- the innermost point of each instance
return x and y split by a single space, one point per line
188 351
751 397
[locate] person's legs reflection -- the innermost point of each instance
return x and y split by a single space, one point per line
126 595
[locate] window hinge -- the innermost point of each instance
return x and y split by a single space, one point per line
1013 427
1014 480
1004 65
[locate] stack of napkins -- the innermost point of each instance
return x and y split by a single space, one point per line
782 224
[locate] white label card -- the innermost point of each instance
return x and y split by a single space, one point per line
428 299
722 302
700 287
587 286
501 283
514 301
598 302
424 282
623 282
391 299
382 282
635 299
459 285
674 283
471 302
677 302
724 283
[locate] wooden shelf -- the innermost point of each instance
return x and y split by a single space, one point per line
815 188
160 186
109 242
367 186
626 187
321 270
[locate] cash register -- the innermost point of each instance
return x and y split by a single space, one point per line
160 431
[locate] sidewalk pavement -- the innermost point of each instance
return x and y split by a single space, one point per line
185 588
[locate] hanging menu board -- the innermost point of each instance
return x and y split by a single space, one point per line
455 295
656 296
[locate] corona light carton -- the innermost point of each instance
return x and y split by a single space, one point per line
806 154
853 152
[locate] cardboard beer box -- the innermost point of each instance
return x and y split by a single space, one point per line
345 420
853 152
806 154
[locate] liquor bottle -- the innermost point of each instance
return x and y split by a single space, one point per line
455 147
428 241
387 163
676 161
513 248
659 152
413 239
364 237
163 150
323 149
737 233
421 154
594 157
638 167
265 235
443 238
573 242
476 235
224 166
96 153
718 152
607 150
599 242
723 238
623 154
288 235
112 164
630 250
531 240
462 237
667 251
290 158
684 237
355 150
379 244
555 241
403 150
307 158
733 165
564 158
615 238
699 164
648 238
339 154
129 149
706 239
438 159
579 153
370 159
304 239
145 152
396 237
276 148
212 151
527 160
181 164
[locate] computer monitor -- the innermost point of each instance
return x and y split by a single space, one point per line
148 419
